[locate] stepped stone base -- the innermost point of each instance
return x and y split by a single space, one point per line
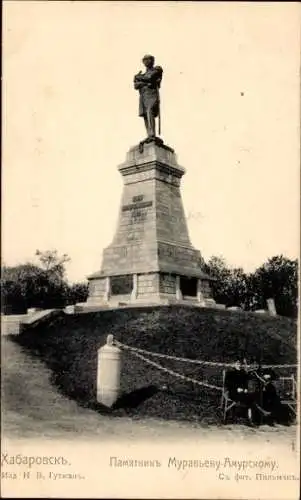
149 288
116 304
151 259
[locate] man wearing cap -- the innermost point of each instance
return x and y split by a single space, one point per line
237 385
236 382
271 401
267 400
148 84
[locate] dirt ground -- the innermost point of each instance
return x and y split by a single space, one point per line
86 424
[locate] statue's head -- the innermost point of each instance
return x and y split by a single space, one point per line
148 61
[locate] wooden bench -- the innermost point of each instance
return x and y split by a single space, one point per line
287 390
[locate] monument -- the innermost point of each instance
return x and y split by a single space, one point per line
151 259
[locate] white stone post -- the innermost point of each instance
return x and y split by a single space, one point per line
107 293
70 309
135 287
199 293
271 307
108 373
179 295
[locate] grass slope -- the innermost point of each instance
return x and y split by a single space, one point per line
68 347
31 405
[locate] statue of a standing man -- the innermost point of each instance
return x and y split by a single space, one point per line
148 84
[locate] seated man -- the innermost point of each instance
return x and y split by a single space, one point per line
236 382
271 401
270 398
266 400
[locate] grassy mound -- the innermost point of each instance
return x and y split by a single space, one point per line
68 346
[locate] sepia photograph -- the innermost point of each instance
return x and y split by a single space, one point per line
150 250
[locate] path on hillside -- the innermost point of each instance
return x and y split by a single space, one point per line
32 407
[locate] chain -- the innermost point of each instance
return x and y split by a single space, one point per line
166 356
279 366
175 374
193 361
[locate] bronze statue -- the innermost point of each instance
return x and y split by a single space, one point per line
148 84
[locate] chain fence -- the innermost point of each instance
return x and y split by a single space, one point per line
195 361
175 374
140 353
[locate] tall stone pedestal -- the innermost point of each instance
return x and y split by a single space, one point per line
151 259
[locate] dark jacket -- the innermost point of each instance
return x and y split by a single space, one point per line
148 84
234 380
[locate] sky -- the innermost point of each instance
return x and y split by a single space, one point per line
230 109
